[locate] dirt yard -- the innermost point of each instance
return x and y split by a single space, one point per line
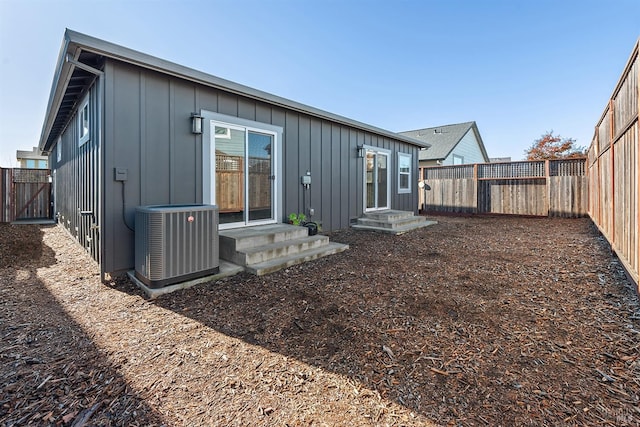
471 322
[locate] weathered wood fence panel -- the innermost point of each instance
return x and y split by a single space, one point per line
512 196
26 194
568 196
538 188
452 195
614 169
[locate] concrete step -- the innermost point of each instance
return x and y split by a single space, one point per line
263 253
276 264
242 238
391 221
393 224
388 215
398 230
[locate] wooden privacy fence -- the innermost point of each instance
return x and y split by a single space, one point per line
25 193
540 188
613 168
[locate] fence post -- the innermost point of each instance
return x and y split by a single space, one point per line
547 180
12 197
477 187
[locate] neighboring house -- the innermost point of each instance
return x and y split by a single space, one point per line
450 145
125 129
32 159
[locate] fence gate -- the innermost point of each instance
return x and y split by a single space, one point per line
26 194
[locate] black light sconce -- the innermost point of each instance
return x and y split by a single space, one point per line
196 123
360 151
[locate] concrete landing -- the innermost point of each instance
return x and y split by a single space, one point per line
391 221
226 269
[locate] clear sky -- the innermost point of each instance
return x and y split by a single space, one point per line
518 68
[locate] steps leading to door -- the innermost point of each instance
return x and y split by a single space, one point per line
268 248
391 221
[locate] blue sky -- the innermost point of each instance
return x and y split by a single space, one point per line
518 68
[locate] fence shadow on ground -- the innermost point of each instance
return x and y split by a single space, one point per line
51 372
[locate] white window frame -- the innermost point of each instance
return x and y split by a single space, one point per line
209 160
84 116
406 190
459 157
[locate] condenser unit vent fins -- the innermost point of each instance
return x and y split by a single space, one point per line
175 243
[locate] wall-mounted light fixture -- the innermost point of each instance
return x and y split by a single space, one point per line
360 151
196 123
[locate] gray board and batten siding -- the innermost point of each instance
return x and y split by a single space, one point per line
140 121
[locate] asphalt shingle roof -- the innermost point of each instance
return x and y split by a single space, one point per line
443 139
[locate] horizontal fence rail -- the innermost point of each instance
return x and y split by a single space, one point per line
613 164
539 188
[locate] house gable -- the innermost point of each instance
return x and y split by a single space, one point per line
468 150
461 140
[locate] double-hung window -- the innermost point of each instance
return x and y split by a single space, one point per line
404 173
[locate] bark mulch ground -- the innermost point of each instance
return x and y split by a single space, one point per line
473 321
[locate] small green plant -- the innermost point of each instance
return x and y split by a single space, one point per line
297 218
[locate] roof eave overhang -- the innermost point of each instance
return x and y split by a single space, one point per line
58 87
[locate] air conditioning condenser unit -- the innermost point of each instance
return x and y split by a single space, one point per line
175 243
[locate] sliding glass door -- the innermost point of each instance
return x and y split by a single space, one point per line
244 179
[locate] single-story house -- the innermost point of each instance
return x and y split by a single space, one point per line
125 129
455 144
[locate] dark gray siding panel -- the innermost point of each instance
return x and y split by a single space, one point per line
304 161
186 149
125 147
325 184
334 186
315 167
155 117
347 163
77 180
263 113
359 179
246 109
291 165
227 104
353 172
